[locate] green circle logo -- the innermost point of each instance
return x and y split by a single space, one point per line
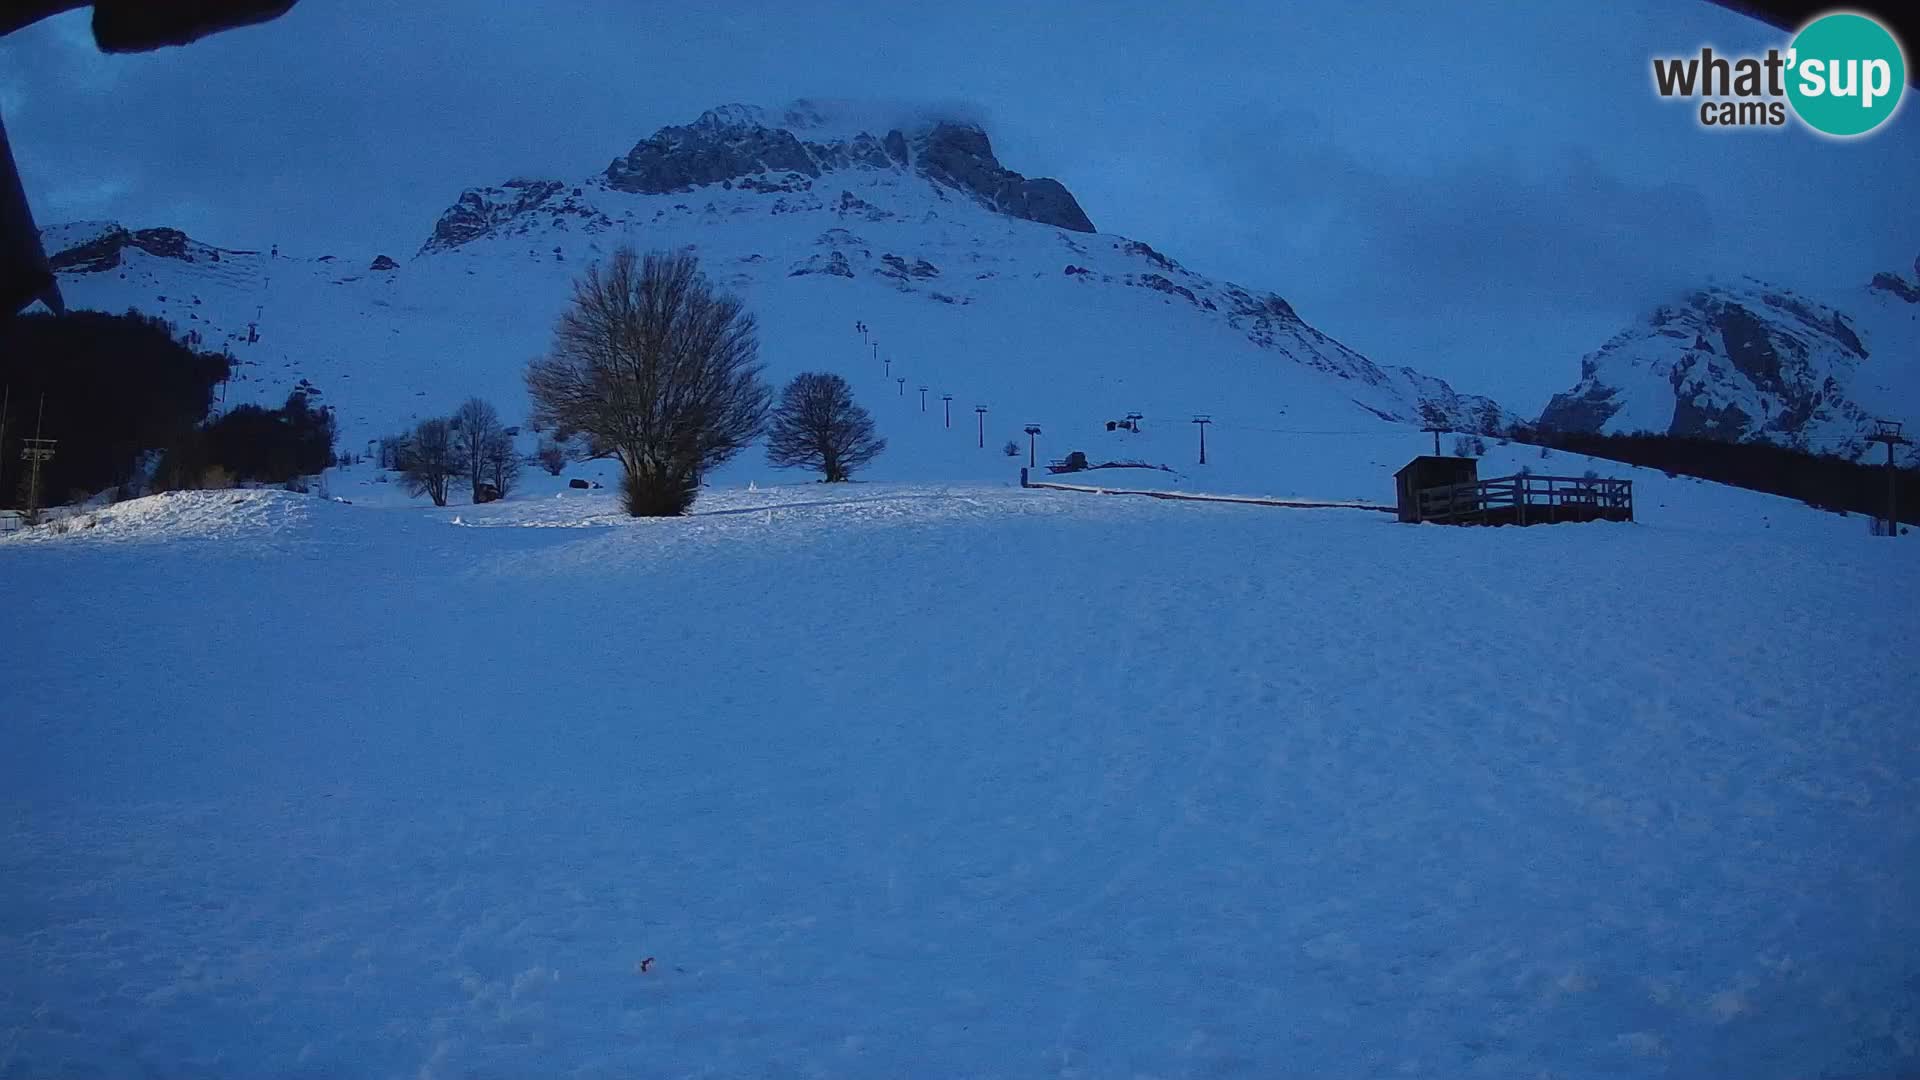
1845 74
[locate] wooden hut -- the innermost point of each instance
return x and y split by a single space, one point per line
1429 471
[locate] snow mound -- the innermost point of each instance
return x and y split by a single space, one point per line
183 515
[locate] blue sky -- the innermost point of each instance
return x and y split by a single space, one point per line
1485 192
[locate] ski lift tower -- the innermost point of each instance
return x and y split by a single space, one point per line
1888 431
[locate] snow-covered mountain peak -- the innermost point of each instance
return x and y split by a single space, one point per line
1745 359
738 143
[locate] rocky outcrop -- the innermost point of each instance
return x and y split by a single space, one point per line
852 204
896 267
383 262
735 144
724 144
833 263
1586 408
790 183
1161 284
1898 286
896 147
513 207
103 250
960 156
1145 251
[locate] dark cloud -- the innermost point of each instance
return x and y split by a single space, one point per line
1485 190
1467 264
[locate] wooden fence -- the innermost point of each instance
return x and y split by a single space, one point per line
1528 499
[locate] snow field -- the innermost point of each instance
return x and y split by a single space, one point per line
953 781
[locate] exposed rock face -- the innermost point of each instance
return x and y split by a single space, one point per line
512 207
735 142
895 267
960 155
1161 284
1585 408
103 251
791 182
1730 362
383 262
724 144
1145 251
834 263
1899 286
896 146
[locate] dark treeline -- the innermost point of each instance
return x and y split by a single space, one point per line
121 392
1822 480
252 444
116 388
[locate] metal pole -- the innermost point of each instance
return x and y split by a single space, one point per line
902 380
948 399
923 399
981 411
1893 494
33 474
6 400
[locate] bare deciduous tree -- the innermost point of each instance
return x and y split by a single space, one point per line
476 428
552 455
430 459
818 425
657 369
501 463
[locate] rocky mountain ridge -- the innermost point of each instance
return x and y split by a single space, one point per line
735 142
1749 360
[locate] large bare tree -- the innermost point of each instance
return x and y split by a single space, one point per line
656 368
477 428
430 458
818 425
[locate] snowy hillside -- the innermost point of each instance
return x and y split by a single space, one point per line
917 781
1749 360
975 281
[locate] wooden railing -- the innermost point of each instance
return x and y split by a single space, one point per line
1528 499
